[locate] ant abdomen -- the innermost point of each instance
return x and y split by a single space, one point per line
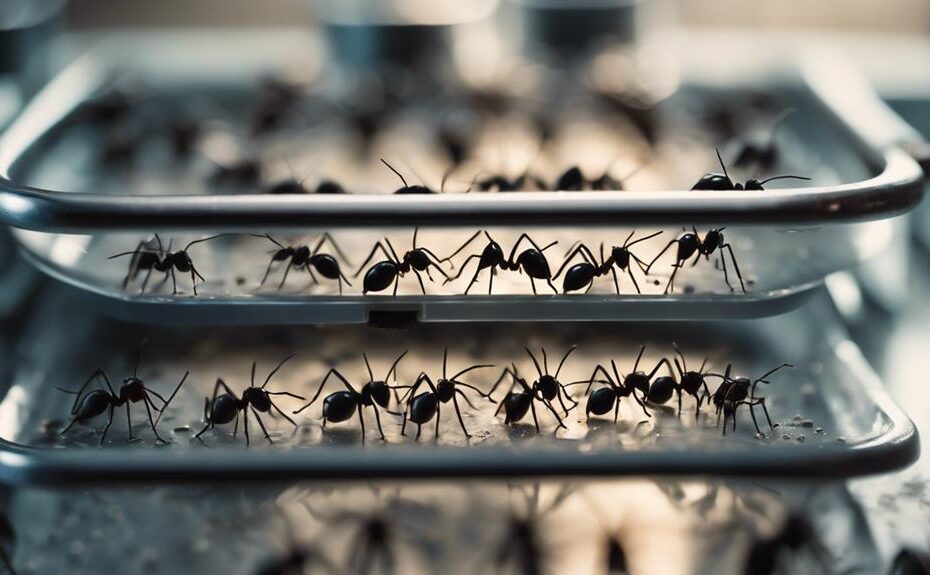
94 403
578 277
423 407
326 265
224 409
661 390
601 401
534 264
257 398
516 405
339 406
380 276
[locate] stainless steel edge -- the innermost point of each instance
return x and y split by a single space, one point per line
896 447
896 189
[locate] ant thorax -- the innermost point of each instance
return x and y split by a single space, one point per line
548 387
132 389
257 398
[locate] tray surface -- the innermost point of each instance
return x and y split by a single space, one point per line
832 391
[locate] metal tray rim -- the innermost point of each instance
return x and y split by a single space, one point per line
899 446
896 189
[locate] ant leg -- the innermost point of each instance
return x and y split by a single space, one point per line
462 268
148 410
245 426
397 283
556 291
312 275
420 280
459 414
236 426
463 246
765 410
96 373
438 414
326 237
174 282
164 405
145 281
532 283
419 431
361 421
378 420
507 371
640 402
474 279
752 412
553 412
655 259
491 280
103 436
533 411
268 271
194 280
616 409
278 409
671 280
287 270
371 254
261 424
679 402
129 421
465 397
629 271
616 281
729 249
339 376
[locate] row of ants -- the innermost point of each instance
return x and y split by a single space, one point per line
277 99
422 401
151 255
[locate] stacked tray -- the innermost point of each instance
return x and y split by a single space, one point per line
834 419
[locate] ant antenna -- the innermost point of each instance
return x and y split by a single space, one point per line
722 165
269 238
371 376
275 370
135 369
207 239
783 177
394 365
390 167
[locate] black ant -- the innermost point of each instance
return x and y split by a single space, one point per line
691 382
292 186
603 399
517 403
241 173
304 257
690 244
522 547
414 189
133 390
339 406
224 408
734 392
297 556
574 180
276 101
722 182
531 260
582 275
384 273
165 261
421 408
183 134
547 386
759 147
499 183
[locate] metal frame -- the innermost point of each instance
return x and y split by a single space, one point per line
896 189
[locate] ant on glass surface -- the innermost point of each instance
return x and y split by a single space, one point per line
531 260
144 257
